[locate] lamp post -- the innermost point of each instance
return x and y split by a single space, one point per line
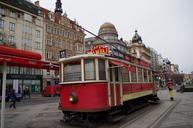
3 90
3 95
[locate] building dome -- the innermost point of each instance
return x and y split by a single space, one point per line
106 29
136 38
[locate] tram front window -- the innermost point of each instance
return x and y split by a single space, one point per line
72 72
89 69
102 75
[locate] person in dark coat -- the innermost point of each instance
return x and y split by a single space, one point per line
13 99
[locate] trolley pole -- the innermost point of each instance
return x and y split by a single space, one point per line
3 95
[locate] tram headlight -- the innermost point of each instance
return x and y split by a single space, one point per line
73 97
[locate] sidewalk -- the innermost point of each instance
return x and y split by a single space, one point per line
182 115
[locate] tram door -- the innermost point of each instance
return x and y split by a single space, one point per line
116 85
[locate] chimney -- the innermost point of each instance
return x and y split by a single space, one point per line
37 3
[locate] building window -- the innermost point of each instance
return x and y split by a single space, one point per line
59 43
61 32
48 29
58 31
37 45
10 39
1 24
28 17
49 55
79 48
37 34
27 43
49 42
27 29
102 74
55 30
13 14
2 10
11 26
38 22
1 38
89 69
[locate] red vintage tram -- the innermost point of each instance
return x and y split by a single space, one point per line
94 84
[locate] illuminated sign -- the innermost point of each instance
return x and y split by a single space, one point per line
100 50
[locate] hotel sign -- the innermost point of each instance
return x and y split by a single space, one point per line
100 50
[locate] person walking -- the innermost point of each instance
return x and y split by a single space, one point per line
13 99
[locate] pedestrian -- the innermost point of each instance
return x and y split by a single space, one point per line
28 92
13 99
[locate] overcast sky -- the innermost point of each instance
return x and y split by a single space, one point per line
165 25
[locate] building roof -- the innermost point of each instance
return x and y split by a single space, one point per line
107 28
136 38
23 4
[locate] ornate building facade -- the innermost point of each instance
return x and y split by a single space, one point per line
108 33
137 48
21 27
60 33
28 26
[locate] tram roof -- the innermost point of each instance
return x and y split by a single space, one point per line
82 56
116 61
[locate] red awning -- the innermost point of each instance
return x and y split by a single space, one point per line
117 63
15 57
121 64
19 53
24 62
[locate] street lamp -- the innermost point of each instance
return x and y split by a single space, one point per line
3 89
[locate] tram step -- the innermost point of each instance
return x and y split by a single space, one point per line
112 113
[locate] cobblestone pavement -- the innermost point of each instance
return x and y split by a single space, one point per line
182 115
36 116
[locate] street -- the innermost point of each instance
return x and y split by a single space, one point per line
43 112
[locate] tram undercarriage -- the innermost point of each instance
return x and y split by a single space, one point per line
117 113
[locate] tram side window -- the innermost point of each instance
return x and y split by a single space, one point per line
89 69
102 74
116 74
125 75
140 75
133 74
72 72
114 70
145 75
150 76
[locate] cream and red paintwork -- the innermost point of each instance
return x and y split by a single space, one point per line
93 97
97 96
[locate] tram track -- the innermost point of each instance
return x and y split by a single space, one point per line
147 117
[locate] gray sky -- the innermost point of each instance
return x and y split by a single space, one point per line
165 25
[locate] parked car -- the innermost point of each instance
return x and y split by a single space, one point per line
51 90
